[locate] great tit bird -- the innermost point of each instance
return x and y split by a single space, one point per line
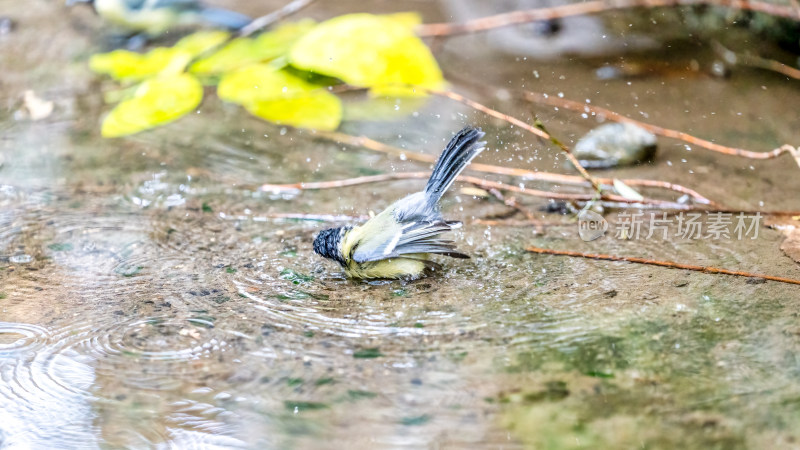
397 242
153 17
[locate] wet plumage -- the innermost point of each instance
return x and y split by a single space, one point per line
397 242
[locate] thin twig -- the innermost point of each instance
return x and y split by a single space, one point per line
668 264
264 21
590 7
521 223
540 98
612 201
485 184
548 177
512 203
755 61
514 121
315 217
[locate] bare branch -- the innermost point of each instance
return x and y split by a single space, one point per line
537 97
755 61
590 7
262 22
514 121
547 177
669 264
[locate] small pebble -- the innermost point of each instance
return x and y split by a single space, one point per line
615 144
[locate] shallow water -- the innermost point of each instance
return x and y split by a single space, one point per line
148 298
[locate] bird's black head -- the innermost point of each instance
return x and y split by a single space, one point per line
328 243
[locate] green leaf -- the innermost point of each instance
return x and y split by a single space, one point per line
124 65
279 96
246 51
155 102
379 52
202 41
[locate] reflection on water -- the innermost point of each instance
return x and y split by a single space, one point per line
148 300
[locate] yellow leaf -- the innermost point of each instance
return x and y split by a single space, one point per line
156 101
245 51
407 19
278 96
379 52
129 66
318 111
202 41
381 108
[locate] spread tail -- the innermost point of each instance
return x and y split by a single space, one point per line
461 149
224 18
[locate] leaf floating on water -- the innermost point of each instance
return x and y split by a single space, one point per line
626 191
155 102
279 96
242 52
124 65
320 112
202 41
379 52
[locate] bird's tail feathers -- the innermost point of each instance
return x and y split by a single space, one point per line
461 149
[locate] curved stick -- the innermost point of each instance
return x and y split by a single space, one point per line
669 264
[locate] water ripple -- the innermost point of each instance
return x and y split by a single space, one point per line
17 338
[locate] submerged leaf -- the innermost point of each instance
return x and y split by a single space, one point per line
791 246
155 102
626 191
202 41
279 96
124 65
245 51
379 52
367 353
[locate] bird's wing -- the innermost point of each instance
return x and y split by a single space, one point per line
177 4
413 237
